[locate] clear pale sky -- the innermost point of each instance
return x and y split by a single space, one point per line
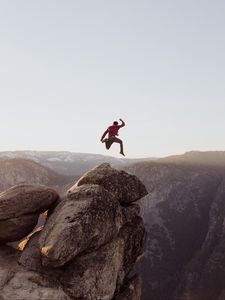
69 68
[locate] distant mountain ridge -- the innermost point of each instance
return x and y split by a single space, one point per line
69 163
208 158
18 171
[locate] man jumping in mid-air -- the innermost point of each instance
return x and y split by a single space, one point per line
112 133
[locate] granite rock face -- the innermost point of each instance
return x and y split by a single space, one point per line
96 275
87 248
88 218
8 263
31 255
29 285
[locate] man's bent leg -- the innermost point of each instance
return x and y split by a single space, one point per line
108 143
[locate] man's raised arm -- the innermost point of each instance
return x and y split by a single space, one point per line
123 123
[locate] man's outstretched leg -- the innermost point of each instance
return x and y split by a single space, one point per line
116 140
121 149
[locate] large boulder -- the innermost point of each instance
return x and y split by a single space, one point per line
125 187
86 219
26 199
16 228
95 275
20 207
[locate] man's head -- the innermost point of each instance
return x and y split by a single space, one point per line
115 123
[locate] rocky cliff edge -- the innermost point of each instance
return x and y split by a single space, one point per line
86 249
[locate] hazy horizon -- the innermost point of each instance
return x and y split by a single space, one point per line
70 68
116 156
88 153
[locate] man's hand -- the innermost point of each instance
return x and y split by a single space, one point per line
121 120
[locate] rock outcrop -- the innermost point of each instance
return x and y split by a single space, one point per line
88 247
125 187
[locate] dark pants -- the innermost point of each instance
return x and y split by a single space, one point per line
113 139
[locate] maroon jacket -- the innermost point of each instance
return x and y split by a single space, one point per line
112 130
